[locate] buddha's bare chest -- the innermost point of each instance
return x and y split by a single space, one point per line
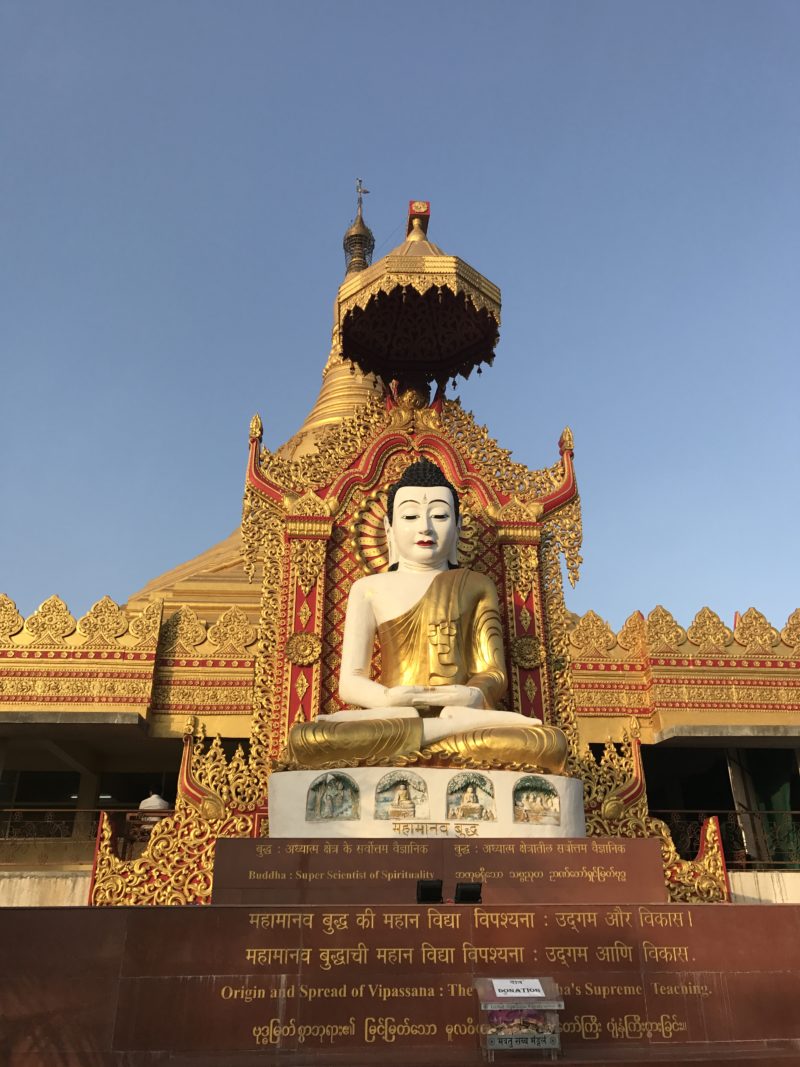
395 593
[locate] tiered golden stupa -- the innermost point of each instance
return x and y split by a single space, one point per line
243 641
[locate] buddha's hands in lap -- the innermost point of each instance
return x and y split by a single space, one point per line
404 696
440 696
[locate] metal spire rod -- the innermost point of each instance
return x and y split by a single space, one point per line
362 192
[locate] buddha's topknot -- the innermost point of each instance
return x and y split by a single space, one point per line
423 473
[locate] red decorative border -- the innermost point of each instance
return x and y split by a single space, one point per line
76 653
191 664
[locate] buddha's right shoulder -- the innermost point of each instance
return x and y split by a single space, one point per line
364 588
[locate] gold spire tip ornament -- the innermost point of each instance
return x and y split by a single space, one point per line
256 428
416 233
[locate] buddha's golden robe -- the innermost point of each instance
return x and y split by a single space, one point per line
451 636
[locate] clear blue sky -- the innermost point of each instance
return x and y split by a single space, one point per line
175 181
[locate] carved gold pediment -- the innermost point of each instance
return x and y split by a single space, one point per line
51 622
182 633
755 633
232 633
592 637
11 622
790 634
103 623
709 633
663 633
632 638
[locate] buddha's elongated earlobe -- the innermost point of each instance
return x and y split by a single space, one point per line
390 541
453 554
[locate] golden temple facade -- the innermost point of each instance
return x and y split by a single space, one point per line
243 640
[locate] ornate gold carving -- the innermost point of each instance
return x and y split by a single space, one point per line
260 530
182 633
268 728
303 649
557 648
337 447
103 623
663 633
11 622
308 559
96 668
308 515
145 627
521 563
530 689
756 634
429 272
593 637
492 462
176 867
304 613
232 633
709 633
51 623
526 652
567 440
566 530
525 618
216 778
702 880
172 692
256 427
517 513
632 638
301 686
73 691
368 536
412 411
790 633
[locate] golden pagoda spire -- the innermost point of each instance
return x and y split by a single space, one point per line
344 386
359 242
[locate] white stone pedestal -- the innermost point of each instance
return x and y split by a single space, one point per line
399 802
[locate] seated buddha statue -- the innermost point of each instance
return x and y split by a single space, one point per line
442 661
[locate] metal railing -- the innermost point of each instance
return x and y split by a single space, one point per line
51 824
38 824
751 840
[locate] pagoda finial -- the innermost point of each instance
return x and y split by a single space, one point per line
566 442
359 243
256 428
361 192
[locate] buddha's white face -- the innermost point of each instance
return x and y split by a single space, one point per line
424 529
